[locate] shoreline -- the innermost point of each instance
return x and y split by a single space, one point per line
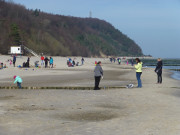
175 75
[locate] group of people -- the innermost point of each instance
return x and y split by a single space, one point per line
98 72
72 63
10 61
112 60
45 60
27 63
158 70
18 79
120 60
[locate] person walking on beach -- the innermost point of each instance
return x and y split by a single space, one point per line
98 74
138 68
14 60
158 70
18 80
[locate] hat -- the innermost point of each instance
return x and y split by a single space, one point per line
14 77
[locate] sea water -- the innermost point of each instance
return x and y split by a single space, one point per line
176 74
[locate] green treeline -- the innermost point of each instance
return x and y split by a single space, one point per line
61 35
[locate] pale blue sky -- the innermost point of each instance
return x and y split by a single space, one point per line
153 24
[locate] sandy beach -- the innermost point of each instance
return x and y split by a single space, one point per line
150 110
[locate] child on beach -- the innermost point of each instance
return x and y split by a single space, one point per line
10 62
18 80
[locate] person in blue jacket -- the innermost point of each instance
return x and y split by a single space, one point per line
51 62
18 80
14 60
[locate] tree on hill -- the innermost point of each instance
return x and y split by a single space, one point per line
61 35
15 34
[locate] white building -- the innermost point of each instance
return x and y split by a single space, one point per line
15 50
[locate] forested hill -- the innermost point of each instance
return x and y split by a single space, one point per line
61 35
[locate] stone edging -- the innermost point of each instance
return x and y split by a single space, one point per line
60 88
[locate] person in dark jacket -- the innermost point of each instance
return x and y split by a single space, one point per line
158 70
98 73
46 62
82 61
28 60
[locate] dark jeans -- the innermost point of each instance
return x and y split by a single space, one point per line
159 77
19 85
46 64
27 64
138 76
97 81
14 63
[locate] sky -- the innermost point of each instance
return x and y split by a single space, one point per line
153 24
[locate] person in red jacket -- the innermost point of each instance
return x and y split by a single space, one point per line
42 60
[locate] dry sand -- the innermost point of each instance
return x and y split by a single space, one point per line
151 110
62 75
